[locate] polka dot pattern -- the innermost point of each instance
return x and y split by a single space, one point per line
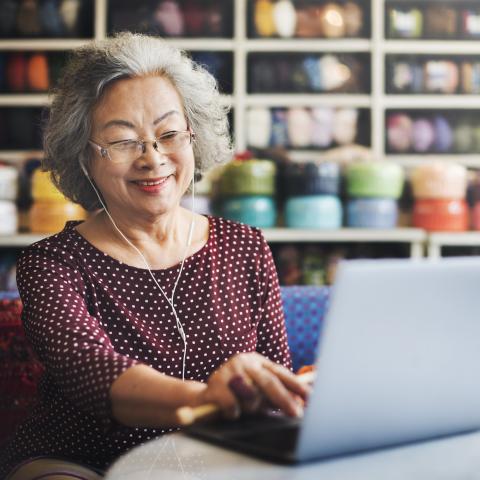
90 317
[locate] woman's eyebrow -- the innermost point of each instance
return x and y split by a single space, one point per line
125 123
118 123
162 117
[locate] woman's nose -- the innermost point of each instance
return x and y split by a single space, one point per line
151 156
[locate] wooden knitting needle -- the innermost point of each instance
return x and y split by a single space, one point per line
188 415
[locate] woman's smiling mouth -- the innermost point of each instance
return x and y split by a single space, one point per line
153 185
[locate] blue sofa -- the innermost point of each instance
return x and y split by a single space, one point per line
305 308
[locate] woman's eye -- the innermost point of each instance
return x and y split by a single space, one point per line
124 145
168 135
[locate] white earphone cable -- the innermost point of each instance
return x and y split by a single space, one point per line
189 240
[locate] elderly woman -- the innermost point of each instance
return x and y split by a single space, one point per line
146 306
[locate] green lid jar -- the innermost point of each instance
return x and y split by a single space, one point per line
374 179
248 177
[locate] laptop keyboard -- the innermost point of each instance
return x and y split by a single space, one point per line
275 433
283 439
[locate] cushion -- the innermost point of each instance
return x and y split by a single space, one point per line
305 308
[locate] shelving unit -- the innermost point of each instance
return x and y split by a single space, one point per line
240 46
384 47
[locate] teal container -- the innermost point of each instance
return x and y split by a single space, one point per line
257 211
314 211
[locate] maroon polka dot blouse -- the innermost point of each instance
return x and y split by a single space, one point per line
91 317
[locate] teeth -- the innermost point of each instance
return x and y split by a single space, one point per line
158 182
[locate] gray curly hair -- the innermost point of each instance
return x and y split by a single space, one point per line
89 72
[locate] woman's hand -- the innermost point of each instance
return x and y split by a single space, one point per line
249 380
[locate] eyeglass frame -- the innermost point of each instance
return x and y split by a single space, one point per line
103 150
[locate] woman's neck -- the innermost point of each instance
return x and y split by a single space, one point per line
168 230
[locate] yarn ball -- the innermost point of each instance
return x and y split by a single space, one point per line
423 135
399 132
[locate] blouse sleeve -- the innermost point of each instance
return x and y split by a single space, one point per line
271 332
75 351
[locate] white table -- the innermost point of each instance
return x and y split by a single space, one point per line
178 456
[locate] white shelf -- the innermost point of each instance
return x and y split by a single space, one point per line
413 160
44 100
20 240
302 45
394 235
200 44
19 155
422 101
24 100
414 237
275 235
440 47
460 239
43 44
320 99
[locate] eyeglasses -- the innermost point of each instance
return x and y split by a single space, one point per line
126 151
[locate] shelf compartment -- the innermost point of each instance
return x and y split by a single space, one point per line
440 75
177 19
311 20
438 240
432 131
308 72
323 127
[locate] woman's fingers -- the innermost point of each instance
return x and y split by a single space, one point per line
218 392
289 379
248 380
275 391
246 392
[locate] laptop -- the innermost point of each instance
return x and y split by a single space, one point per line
399 362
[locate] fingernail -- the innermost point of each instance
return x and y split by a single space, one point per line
298 411
240 388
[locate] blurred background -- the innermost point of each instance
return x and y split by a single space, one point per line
356 122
